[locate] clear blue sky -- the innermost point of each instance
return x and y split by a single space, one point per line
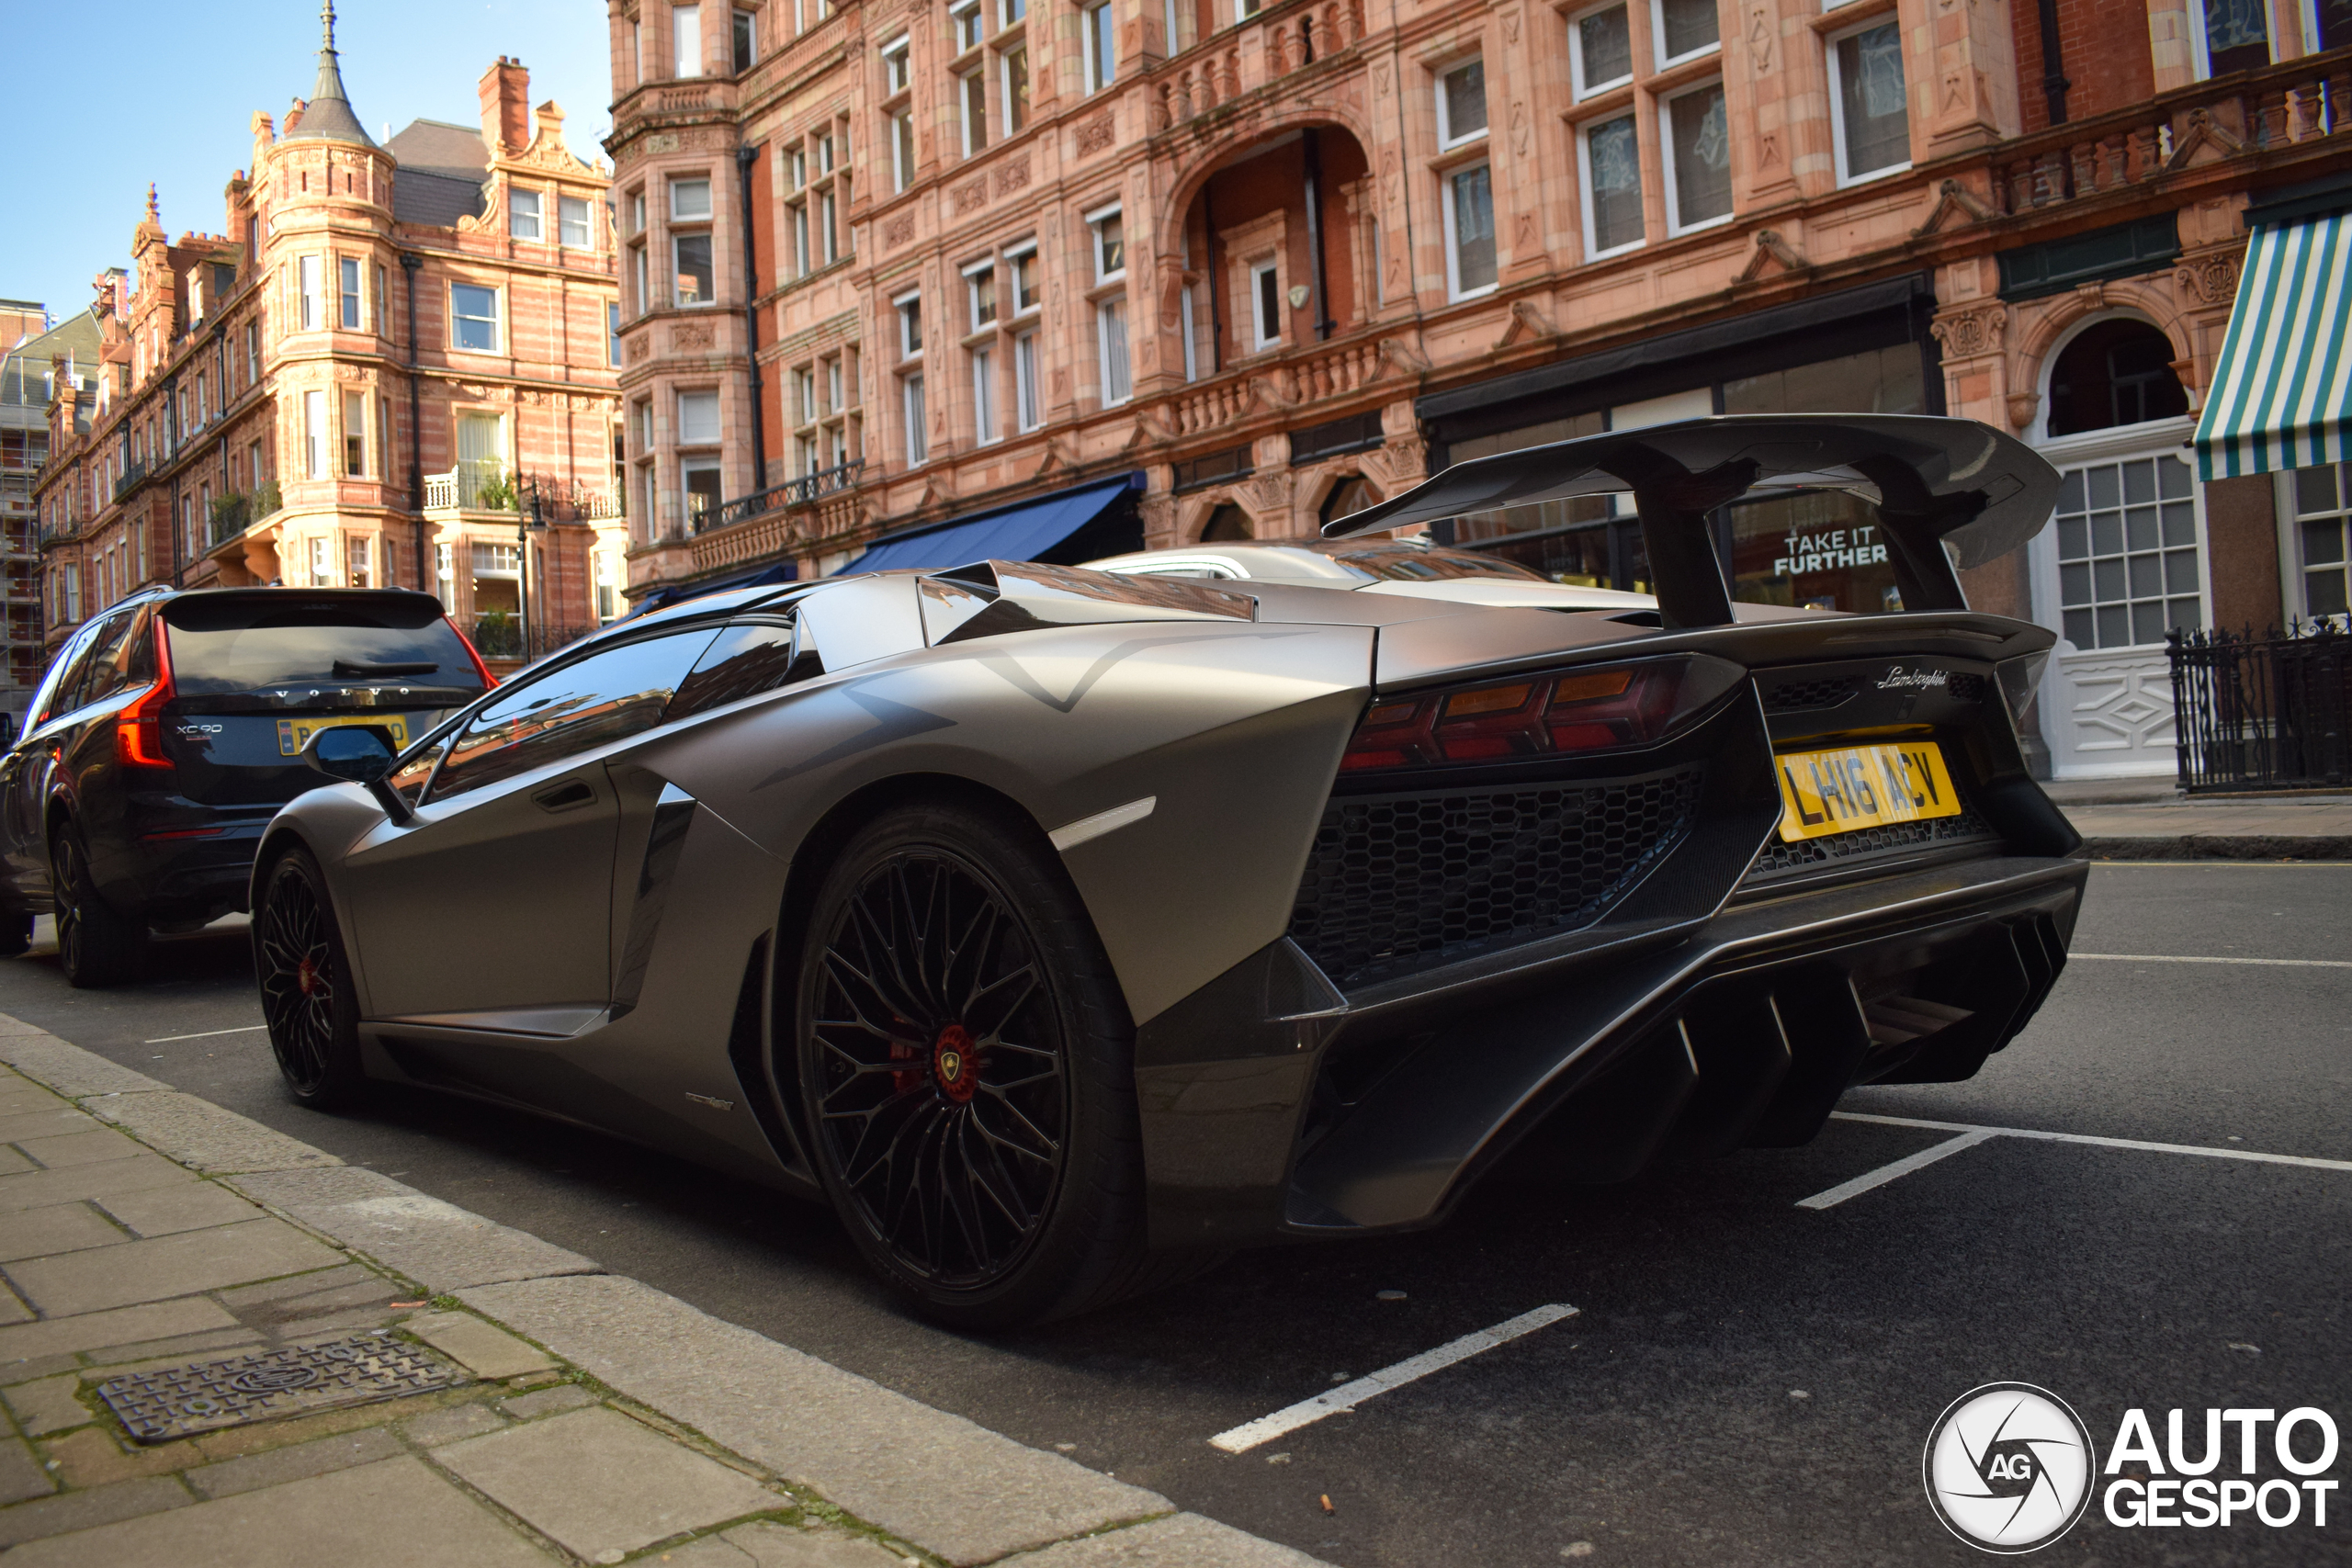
109 97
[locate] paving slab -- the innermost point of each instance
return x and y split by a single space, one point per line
67 1069
42 1122
12 1310
548 1402
394 1514
22 1475
945 1483
763 1543
49 1405
94 1145
487 1352
168 1265
319 1457
437 1427
206 1137
13 1162
100 1330
166 1210
40 1189
597 1482
1182 1541
74 1514
61 1227
439 1244
241 1299
184 1347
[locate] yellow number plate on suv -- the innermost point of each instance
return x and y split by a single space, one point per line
293 734
1862 786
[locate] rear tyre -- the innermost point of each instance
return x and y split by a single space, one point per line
305 978
98 945
16 934
967 1063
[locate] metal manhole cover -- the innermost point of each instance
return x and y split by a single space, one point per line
178 1401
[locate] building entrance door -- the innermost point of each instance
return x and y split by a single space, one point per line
2122 563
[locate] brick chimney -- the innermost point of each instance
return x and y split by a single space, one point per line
505 93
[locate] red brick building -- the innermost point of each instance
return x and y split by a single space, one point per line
392 366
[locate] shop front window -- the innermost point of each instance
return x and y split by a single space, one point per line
1816 551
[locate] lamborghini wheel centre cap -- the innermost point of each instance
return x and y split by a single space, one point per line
952 1064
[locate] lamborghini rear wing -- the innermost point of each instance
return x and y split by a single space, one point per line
1950 494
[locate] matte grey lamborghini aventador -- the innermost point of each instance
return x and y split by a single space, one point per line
1062 929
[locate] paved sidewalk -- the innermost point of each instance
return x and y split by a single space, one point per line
565 1416
2148 820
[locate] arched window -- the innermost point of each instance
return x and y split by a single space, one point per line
1350 496
2116 373
1227 524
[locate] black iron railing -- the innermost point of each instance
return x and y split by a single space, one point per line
792 492
2263 711
499 635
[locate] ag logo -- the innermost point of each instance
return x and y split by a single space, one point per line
2008 1467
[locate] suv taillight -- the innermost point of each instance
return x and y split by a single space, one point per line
1604 708
139 729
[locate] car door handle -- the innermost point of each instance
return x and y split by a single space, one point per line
565 796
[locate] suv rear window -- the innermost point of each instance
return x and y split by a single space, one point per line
277 638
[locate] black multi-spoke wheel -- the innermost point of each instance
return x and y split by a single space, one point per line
98 945
305 985
965 1061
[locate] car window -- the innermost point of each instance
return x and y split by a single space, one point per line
231 643
55 695
1413 563
609 695
1184 569
106 672
744 661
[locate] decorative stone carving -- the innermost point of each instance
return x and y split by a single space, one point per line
970 198
639 346
897 230
2210 279
689 335
1407 458
1095 135
1965 335
1012 175
2022 407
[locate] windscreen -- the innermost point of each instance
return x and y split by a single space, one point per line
1411 563
243 643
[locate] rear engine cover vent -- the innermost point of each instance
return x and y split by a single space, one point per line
1799 697
1397 883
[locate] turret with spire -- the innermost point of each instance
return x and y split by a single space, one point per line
328 115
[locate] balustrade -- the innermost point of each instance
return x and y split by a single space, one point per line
1208 75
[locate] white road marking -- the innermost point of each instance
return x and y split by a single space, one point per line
2308 1162
206 1034
1347 1396
1904 1166
2169 958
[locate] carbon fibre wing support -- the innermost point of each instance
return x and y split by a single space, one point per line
1950 494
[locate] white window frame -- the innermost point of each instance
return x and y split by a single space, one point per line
695 396
1245 9
497 319
1675 226
642 277
1010 13
1582 89
1094 222
527 215
972 12
744 16
1028 401
1454 290
1013 309
315 464
972 276
902 149
1446 138
1657 39
686 58
1098 33
897 65
1586 195
309 275
2200 56
987 427
678 238
907 310
1112 350
1261 340
350 298
970 118
915 414
1004 84
803 260
1847 176
563 206
678 188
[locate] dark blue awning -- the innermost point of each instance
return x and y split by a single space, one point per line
1023 532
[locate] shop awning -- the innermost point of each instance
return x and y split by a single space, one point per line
2282 392
1025 532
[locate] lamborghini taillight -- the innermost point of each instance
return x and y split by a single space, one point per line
1569 712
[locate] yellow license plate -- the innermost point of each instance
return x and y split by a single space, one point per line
1853 787
293 734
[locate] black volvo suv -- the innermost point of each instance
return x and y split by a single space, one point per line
170 730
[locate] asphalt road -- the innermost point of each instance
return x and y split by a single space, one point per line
1743 1380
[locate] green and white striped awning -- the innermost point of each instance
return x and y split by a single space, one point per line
2282 393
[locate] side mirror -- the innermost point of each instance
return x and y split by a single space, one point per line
360 754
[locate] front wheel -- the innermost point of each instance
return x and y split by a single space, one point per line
98 945
966 1059
306 996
